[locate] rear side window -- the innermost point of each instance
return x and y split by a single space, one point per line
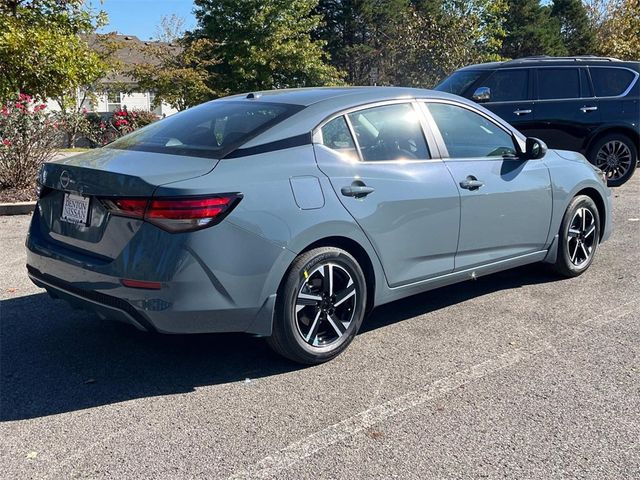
508 85
336 136
556 83
390 132
610 82
210 130
468 134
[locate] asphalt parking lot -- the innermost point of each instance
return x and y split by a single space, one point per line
516 375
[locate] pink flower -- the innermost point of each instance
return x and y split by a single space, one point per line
84 110
23 97
6 142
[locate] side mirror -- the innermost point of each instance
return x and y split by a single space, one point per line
535 148
482 94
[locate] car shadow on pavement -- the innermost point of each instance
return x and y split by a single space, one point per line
54 359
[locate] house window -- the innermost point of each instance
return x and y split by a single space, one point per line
114 101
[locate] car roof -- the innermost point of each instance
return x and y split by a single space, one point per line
544 60
346 95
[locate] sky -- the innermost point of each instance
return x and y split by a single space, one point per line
140 17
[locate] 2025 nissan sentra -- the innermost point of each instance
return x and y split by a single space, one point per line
290 214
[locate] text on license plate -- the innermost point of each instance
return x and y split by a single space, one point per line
75 208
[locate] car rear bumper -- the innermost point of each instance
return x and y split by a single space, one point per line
200 289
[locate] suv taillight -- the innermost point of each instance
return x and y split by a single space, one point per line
179 214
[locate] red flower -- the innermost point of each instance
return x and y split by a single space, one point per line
121 122
6 142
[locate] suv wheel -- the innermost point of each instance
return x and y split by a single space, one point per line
616 155
320 306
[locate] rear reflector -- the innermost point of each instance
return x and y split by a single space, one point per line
179 214
141 284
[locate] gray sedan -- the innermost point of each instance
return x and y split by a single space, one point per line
291 214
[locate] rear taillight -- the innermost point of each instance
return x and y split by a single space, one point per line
176 214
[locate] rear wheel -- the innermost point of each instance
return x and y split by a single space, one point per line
579 237
616 155
320 306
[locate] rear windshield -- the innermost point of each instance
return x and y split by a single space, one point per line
211 130
458 82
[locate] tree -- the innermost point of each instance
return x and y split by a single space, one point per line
409 42
577 35
177 74
43 48
262 44
531 31
617 27
170 29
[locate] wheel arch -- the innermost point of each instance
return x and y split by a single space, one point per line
359 253
594 195
612 130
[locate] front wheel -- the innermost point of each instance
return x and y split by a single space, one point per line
320 306
579 237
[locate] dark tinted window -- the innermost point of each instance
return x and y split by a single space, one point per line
459 81
585 86
336 136
210 130
391 132
610 82
558 83
468 134
508 85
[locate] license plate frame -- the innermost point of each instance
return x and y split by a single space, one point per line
75 209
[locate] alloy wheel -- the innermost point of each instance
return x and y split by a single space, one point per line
581 237
325 305
614 159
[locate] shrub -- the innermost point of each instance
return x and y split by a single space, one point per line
28 138
75 125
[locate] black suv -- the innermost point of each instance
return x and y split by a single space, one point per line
585 104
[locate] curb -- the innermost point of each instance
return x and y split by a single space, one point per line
18 208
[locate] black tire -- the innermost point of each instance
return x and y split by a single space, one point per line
295 335
577 245
623 165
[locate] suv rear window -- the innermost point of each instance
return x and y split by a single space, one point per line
556 83
610 82
211 130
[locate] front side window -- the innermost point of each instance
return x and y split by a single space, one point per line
610 82
467 134
210 130
336 136
556 83
508 85
389 132
458 82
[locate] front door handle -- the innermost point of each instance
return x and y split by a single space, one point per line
522 112
586 109
357 190
471 183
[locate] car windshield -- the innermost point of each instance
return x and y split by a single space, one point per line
211 130
458 82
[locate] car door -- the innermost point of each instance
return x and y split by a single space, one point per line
566 111
505 208
379 164
509 93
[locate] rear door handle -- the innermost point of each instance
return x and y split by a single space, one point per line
586 109
522 112
356 190
471 183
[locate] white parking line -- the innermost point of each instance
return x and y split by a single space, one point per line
308 446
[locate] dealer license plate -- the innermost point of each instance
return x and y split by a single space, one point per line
75 209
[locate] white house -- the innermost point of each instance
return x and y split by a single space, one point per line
130 53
